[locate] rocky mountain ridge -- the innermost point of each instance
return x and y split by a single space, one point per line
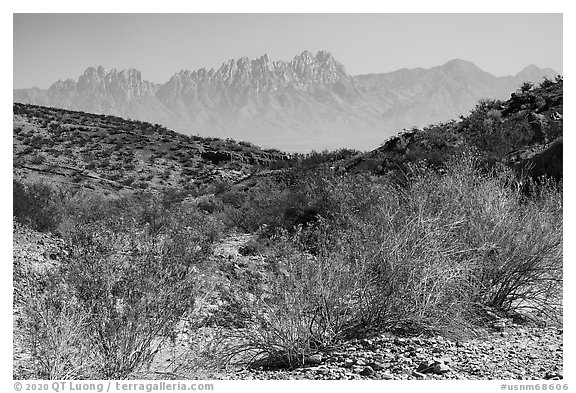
309 102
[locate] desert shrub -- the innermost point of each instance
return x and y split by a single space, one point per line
27 150
465 238
132 271
421 258
127 181
133 301
233 198
251 247
209 204
35 205
304 304
303 198
37 159
53 331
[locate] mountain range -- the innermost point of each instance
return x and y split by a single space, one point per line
310 102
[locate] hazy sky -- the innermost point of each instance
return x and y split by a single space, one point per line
48 47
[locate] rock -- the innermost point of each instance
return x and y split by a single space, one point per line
323 371
553 376
366 342
377 366
314 359
547 162
367 371
499 325
386 376
357 369
441 368
418 375
360 362
426 366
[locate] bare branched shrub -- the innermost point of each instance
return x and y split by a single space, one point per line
132 270
53 335
425 257
136 282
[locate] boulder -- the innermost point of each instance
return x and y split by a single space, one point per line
538 162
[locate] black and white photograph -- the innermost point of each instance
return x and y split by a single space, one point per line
200 197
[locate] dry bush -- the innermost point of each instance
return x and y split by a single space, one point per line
424 258
52 334
303 305
133 269
35 205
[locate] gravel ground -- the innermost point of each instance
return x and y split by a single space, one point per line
516 353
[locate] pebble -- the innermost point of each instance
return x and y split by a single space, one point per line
426 366
441 368
367 371
314 359
377 366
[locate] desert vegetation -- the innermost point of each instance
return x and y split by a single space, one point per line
337 252
343 254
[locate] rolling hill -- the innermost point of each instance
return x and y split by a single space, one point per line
111 154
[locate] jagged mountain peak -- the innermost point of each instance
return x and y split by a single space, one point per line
264 72
324 56
101 72
304 55
64 83
322 68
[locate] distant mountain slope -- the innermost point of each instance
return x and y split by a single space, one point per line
310 102
111 154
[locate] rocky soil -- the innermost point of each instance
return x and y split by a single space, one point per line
516 353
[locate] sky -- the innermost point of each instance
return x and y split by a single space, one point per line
48 47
